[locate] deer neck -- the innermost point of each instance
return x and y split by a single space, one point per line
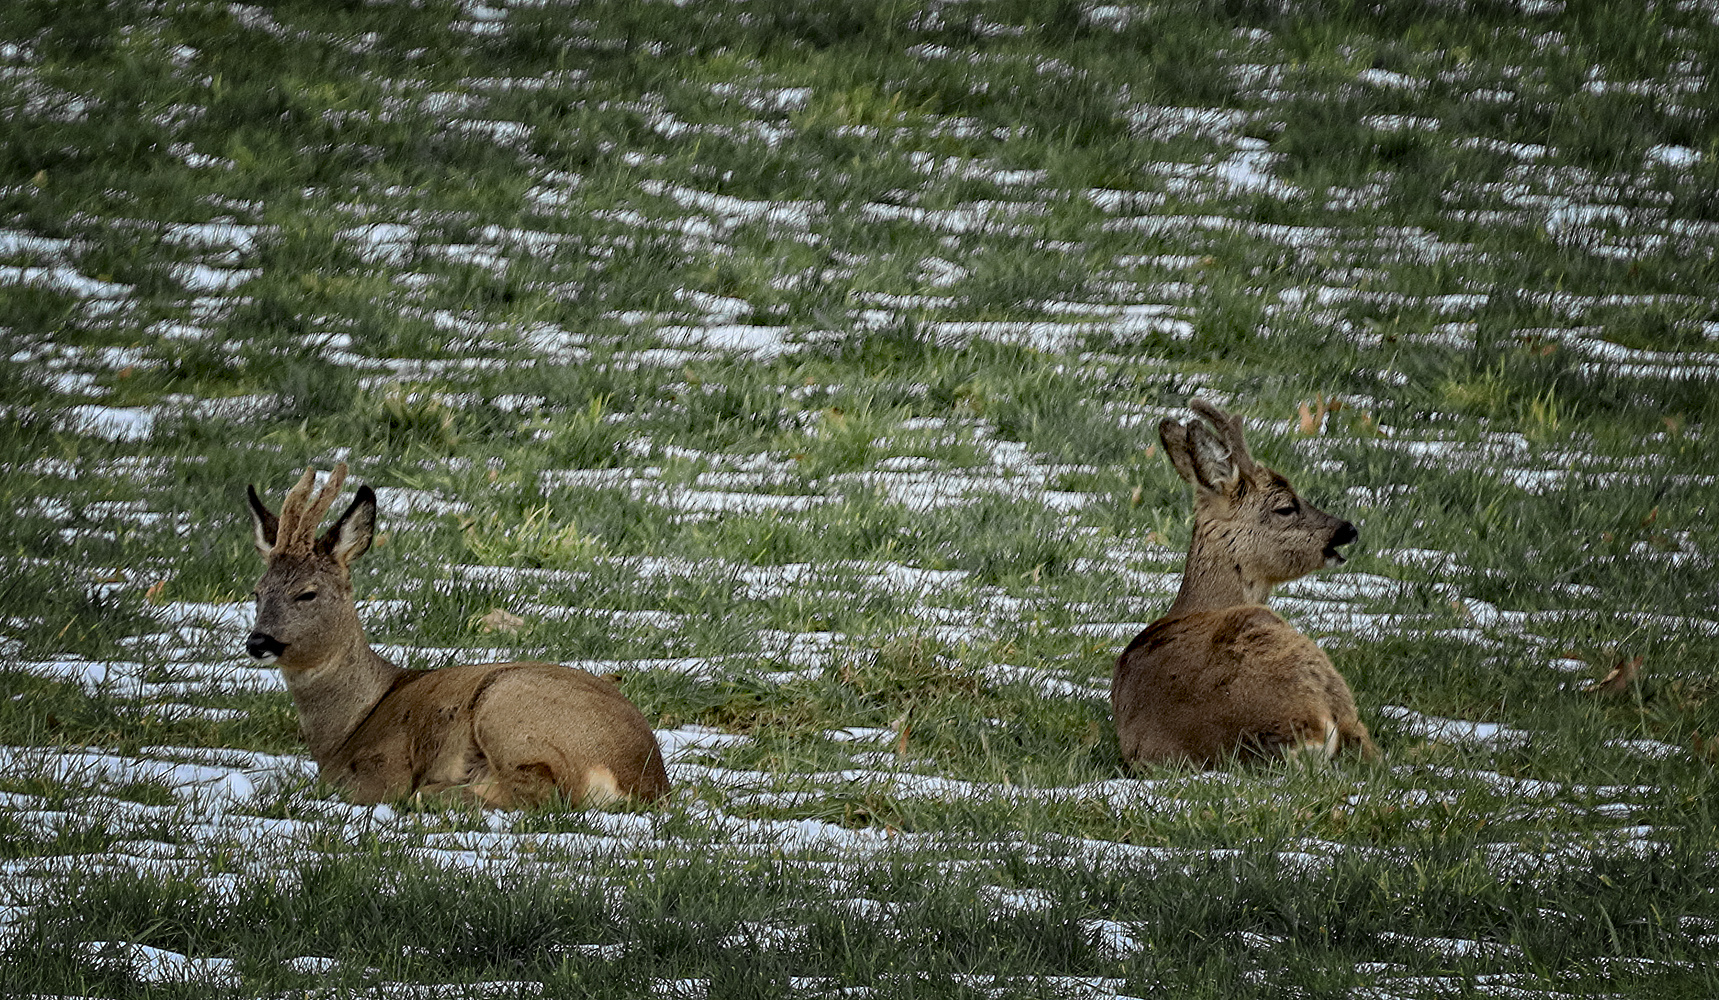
336 696
1212 578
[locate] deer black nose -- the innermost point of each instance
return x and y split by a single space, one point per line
264 647
1346 533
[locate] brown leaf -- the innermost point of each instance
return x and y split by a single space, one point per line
1309 424
502 621
1312 418
1617 682
153 594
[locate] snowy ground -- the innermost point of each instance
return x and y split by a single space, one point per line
801 367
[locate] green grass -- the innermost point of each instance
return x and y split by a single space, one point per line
986 247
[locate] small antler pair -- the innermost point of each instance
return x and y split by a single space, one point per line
295 529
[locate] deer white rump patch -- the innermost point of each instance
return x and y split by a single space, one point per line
601 788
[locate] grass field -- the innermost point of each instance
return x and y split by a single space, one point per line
800 363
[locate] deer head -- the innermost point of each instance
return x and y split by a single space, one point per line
1249 524
305 612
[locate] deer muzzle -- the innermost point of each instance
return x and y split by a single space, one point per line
264 648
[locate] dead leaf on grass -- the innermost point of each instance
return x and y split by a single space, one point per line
1311 416
1617 682
905 727
501 621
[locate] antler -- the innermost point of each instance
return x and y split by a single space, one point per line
300 515
1229 429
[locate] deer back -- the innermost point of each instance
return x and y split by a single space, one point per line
505 734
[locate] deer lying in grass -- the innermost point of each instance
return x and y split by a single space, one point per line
502 734
1221 675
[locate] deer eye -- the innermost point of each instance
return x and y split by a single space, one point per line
1286 511
309 595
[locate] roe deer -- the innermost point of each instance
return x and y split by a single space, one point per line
1220 674
503 734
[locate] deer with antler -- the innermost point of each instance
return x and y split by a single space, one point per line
502 734
1221 675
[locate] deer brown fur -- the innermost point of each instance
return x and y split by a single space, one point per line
1221 676
503 734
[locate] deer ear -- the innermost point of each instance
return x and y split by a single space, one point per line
349 536
264 525
1214 468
